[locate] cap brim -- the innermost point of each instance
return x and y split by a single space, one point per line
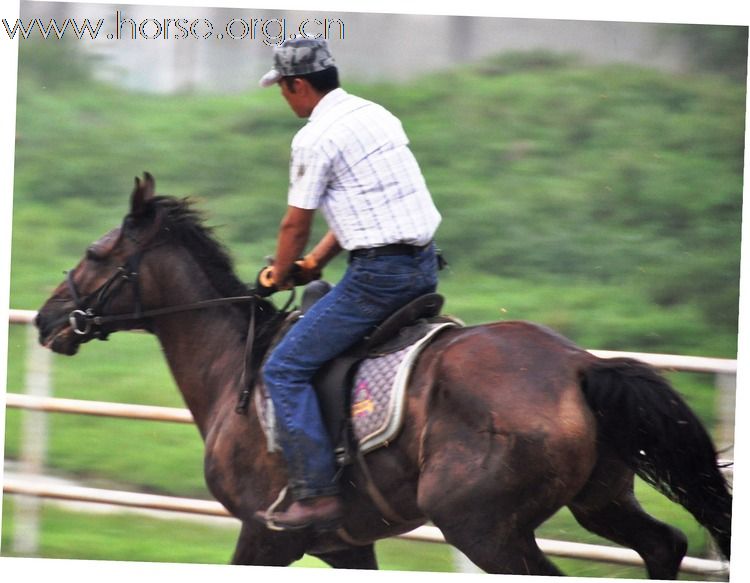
270 78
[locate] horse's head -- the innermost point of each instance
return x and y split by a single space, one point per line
105 281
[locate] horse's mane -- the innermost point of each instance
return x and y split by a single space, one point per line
181 222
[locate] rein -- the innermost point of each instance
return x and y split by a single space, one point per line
87 319
90 319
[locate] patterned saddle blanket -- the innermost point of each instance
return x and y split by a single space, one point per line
377 398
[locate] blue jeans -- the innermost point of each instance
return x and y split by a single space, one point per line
371 290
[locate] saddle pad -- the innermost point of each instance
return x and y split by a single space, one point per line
377 400
379 390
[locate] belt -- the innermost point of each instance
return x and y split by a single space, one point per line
394 249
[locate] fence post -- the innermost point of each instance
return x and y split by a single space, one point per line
726 387
33 448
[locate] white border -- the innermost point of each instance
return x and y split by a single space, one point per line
715 12
8 69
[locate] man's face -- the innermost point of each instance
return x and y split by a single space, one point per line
301 97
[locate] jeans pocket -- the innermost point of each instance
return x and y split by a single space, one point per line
378 295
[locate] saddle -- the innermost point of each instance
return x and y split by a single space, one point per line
393 344
403 328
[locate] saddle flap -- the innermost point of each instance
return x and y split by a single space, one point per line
330 384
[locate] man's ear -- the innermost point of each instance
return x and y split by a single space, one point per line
295 85
303 86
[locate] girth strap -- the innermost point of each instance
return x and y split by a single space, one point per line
389 514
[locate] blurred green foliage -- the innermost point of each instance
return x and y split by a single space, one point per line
548 173
716 49
53 65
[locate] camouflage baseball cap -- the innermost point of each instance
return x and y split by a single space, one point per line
298 56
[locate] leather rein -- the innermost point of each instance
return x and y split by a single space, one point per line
88 319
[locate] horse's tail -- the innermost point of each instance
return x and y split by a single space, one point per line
654 431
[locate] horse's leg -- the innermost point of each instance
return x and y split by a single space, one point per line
495 530
607 506
259 546
487 493
503 548
359 557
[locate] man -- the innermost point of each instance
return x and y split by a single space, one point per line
351 160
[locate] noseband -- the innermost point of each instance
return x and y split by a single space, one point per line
86 318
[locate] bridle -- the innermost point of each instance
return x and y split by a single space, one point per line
86 319
89 320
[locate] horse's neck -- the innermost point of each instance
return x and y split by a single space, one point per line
205 357
205 352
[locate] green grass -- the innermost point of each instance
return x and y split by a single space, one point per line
159 457
121 536
549 175
118 536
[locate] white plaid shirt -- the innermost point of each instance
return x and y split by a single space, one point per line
352 161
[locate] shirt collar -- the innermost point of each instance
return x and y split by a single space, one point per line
328 102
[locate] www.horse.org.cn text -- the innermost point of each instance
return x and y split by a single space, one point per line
270 31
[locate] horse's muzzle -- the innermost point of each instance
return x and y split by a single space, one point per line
56 333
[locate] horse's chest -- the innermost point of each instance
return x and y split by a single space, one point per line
239 473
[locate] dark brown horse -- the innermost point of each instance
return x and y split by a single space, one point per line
506 422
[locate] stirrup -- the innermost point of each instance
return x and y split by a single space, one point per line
343 458
270 524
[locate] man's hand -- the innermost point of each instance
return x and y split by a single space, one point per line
303 272
264 283
306 270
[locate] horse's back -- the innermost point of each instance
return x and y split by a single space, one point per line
513 364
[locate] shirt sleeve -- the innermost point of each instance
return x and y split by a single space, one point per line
309 176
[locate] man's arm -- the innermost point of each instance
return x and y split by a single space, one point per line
326 249
294 232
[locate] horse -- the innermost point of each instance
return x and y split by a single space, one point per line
505 423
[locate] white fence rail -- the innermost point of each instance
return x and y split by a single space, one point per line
21 316
423 533
38 400
98 408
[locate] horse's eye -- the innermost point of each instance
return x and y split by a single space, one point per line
92 254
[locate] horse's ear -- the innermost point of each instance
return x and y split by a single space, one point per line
142 193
